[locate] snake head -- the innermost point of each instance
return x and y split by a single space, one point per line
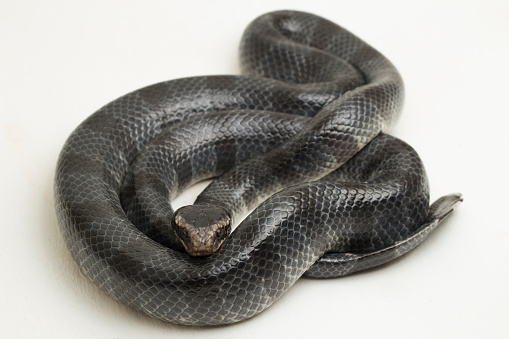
201 228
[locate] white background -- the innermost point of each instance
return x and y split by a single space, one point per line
62 60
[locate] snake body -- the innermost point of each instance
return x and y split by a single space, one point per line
301 130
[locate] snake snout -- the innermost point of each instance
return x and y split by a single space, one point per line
201 228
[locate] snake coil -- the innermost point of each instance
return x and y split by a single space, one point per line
301 130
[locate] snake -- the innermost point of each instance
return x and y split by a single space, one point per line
300 138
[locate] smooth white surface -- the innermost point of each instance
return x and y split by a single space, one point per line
61 60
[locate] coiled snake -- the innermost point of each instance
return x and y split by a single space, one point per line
312 97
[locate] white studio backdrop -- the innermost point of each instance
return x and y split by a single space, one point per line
60 61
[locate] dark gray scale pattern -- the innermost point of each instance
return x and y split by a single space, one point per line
192 150
115 169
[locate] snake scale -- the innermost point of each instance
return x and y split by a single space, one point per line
302 131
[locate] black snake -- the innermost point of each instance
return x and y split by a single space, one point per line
312 97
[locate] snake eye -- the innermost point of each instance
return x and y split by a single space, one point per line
185 233
220 233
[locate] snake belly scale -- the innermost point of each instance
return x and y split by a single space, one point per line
302 129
